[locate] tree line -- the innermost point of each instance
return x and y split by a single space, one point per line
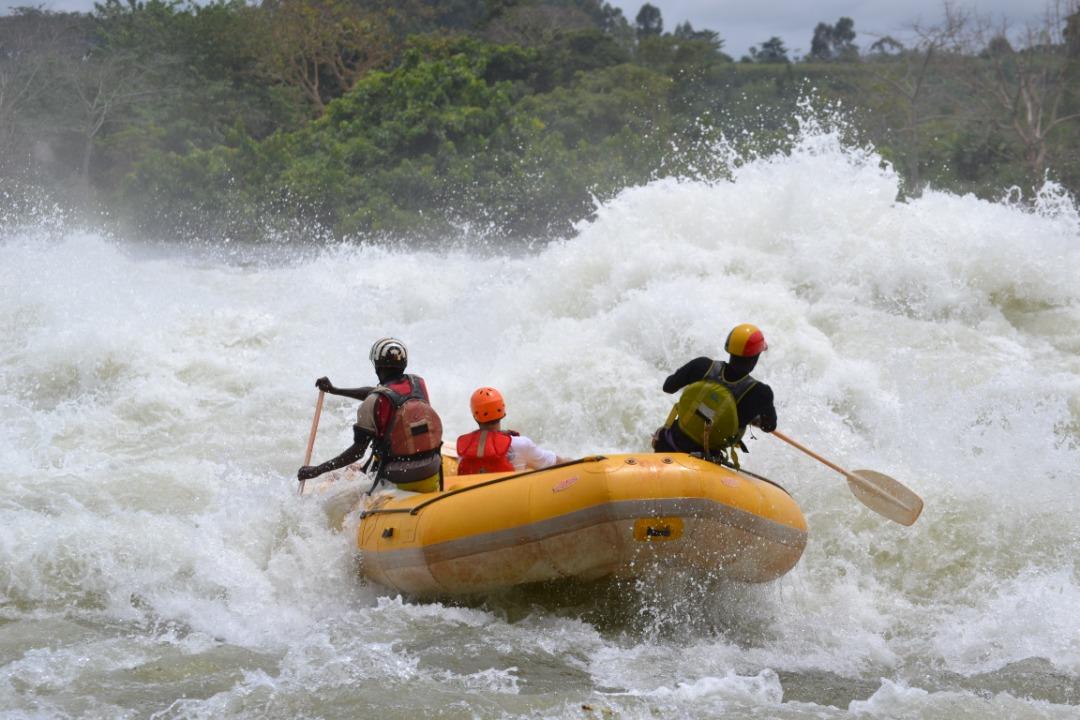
508 116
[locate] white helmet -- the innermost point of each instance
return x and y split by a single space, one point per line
389 352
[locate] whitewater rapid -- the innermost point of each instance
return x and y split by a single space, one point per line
155 401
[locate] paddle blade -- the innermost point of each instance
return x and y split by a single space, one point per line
885 496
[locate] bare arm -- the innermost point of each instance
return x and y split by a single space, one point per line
326 386
352 454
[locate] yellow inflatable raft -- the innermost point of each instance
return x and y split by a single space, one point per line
620 515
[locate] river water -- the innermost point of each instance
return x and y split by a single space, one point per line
155 561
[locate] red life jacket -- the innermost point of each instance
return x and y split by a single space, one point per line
412 427
484 451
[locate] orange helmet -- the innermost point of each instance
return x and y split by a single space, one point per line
745 340
487 405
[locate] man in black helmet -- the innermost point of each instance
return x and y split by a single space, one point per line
398 418
718 400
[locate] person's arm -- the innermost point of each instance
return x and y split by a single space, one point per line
688 373
766 420
326 386
353 453
758 408
532 455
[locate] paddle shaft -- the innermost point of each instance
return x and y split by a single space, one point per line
814 455
877 491
311 436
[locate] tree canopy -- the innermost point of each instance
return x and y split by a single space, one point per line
515 115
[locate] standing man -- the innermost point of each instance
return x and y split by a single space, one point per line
492 449
718 400
396 419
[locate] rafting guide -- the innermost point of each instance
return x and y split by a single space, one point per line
396 418
719 400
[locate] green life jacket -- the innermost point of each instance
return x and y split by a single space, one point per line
708 410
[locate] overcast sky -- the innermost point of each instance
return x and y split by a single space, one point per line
742 23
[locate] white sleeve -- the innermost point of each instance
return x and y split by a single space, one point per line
524 453
365 414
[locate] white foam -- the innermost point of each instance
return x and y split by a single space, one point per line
895 700
154 407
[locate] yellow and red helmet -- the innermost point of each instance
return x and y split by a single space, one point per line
745 340
487 405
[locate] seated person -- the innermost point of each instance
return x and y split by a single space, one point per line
491 449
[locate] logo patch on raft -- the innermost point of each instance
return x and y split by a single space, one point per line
658 529
563 484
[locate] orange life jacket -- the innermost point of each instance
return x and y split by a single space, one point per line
409 446
414 426
484 451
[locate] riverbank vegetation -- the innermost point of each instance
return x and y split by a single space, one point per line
511 117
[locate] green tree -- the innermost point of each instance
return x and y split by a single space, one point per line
914 78
772 51
834 42
649 21
125 57
887 45
1072 33
536 25
200 80
30 41
843 40
574 52
821 42
321 47
685 31
1024 91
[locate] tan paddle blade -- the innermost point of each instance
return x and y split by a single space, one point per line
875 490
885 496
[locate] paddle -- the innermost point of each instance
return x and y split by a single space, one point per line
877 491
311 437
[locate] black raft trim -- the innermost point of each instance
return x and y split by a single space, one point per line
493 481
515 476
